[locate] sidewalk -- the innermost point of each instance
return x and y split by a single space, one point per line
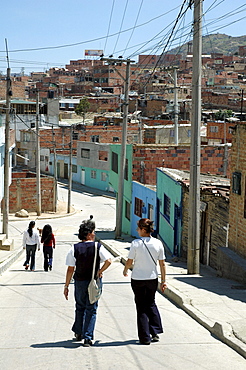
216 303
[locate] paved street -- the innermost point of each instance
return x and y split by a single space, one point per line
36 320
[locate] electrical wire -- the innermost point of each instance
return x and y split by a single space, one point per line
134 27
111 13
122 21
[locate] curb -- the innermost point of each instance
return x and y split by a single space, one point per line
47 217
8 262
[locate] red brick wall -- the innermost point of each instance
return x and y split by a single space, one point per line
22 193
220 135
212 160
237 220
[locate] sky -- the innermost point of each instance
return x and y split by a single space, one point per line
40 34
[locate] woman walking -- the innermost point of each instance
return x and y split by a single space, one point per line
48 241
145 252
80 259
30 244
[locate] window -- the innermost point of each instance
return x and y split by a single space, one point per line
138 207
114 163
95 138
126 170
236 183
127 210
74 168
75 135
42 158
85 153
171 133
214 129
62 105
116 139
26 136
93 174
103 176
167 205
188 133
150 211
71 105
103 155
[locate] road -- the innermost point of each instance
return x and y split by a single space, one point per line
36 320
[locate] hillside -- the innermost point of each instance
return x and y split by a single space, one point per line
215 43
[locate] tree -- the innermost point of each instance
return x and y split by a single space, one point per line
82 108
222 114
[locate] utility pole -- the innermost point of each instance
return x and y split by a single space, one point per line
175 101
6 156
120 196
70 171
193 258
176 113
38 157
55 171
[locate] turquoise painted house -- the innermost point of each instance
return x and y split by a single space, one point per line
169 209
115 154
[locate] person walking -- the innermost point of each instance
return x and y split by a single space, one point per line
145 252
49 244
30 244
80 260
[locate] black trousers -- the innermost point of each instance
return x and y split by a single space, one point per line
148 316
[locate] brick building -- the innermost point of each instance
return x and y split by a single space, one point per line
146 158
237 216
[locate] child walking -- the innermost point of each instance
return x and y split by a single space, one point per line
48 241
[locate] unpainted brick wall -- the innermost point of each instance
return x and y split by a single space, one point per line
22 193
237 215
152 156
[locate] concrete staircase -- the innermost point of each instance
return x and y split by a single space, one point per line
6 244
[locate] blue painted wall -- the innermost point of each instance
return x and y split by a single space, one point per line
148 197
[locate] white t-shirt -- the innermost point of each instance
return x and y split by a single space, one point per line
144 267
103 254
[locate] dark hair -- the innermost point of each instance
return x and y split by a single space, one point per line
46 233
146 224
30 228
87 227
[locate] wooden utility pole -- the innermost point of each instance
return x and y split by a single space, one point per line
38 186
6 157
193 257
70 171
120 195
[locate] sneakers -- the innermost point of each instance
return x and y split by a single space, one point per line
26 267
156 338
77 337
87 343
50 267
145 343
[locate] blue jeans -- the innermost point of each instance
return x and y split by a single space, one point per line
48 254
85 312
30 252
